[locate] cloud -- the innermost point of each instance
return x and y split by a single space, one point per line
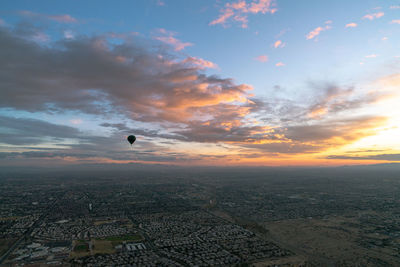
76 121
280 64
88 75
334 99
385 157
226 14
201 63
317 136
395 21
47 141
28 31
394 7
238 11
373 16
337 131
166 98
262 58
68 34
279 44
351 25
40 37
125 130
63 18
23 131
168 38
314 33
371 56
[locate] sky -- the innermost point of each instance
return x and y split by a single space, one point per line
210 82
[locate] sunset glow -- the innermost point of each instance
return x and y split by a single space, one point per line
255 82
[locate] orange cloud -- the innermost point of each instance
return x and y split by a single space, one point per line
201 63
373 16
278 44
280 64
391 80
395 21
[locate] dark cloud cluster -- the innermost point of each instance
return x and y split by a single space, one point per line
23 131
93 76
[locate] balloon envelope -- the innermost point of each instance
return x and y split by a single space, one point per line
131 139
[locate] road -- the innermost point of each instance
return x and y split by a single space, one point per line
27 233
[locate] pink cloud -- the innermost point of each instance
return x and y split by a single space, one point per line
242 19
395 7
76 121
280 64
314 33
201 63
278 44
262 6
395 21
226 14
262 58
239 11
371 56
160 3
168 38
63 18
373 16
351 25
239 5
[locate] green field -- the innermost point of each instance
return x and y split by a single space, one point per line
81 248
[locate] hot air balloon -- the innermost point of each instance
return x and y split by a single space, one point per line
131 139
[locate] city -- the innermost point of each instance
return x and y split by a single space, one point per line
222 218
